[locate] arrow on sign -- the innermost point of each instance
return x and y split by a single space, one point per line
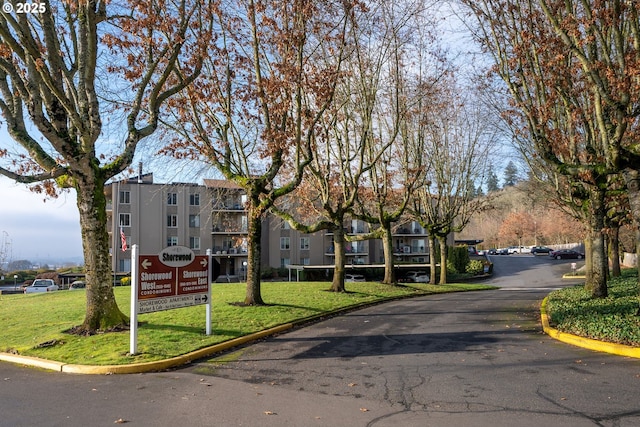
204 263
146 263
204 298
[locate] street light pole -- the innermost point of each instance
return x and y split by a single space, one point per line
15 282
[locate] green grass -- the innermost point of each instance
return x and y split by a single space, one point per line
34 324
612 319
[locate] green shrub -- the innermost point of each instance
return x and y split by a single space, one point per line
266 272
475 267
459 258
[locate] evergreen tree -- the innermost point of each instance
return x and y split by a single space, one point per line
492 182
510 174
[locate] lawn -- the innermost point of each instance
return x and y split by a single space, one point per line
35 324
612 319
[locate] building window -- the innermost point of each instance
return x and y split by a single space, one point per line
305 261
125 197
172 198
284 262
194 242
285 243
194 221
285 225
172 221
172 241
124 220
304 243
194 199
124 265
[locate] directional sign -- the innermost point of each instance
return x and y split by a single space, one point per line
174 278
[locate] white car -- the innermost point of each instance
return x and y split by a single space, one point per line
41 285
354 278
422 278
418 276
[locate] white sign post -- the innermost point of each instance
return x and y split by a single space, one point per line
174 278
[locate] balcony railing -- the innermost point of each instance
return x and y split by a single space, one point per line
228 250
228 229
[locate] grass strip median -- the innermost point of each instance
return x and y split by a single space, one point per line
612 319
35 324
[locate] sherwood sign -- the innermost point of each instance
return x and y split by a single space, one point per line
175 272
174 278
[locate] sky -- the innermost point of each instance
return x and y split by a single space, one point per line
49 231
39 231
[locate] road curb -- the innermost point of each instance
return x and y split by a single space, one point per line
134 368
588 343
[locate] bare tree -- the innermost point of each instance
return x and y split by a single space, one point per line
412 75
53 104
572 70
268 81
354 157
457 140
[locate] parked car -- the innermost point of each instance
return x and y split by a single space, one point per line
41 285
78 284
540 250
354 278
518 250
566 254
502 251
422 278
417 277
493 251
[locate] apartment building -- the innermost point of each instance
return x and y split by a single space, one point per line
213 216
155 216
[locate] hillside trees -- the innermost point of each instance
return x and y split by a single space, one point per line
572 70
517 225
73 75
268 81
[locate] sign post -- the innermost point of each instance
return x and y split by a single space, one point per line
175 278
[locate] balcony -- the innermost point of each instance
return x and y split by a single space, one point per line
229 251
229 207
222 229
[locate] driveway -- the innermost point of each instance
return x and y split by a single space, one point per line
467 359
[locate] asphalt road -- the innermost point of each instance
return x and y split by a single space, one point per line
468 359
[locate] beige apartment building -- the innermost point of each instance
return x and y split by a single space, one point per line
212 216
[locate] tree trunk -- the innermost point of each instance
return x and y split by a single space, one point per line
614 251
337 285
632 181
596 282
387 244
253 295
443 260
432 260
102 312
638 262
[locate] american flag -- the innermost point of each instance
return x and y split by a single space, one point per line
123 240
